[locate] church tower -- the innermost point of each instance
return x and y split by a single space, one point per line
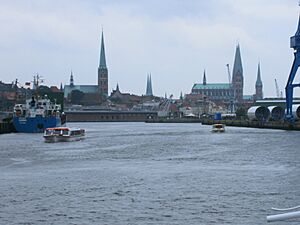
258 85
149 86
237 76
102 71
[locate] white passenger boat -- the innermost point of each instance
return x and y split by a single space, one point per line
61 134
218 127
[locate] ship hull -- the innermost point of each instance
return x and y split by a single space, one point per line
35 124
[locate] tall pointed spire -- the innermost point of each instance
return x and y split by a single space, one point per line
151 92
258 85
102 71
258 79
204 78
149 86
102 63
237 66
71 80
237 76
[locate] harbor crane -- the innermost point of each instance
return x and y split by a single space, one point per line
289 88
228 71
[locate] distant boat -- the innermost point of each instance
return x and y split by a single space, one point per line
63 134
218 127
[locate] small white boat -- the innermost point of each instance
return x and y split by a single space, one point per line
63 134
218 127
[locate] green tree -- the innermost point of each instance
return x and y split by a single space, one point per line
241 113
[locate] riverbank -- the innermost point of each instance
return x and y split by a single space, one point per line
174 120
281 125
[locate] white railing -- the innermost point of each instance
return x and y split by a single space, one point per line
284 216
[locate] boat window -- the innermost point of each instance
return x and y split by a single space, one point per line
57 132
49 132
65 132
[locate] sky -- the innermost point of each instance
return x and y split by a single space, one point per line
174 40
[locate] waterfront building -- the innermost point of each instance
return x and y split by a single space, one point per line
213 91
84 94
130 101
10 94
231 93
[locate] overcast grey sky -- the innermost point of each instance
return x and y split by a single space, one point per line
174 40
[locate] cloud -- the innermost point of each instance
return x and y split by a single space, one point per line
174 40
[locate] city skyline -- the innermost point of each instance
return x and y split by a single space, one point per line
173 41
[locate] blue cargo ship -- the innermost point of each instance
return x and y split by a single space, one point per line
36 115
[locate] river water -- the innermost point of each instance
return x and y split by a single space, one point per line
138 173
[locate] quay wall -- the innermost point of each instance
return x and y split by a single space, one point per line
174 120
282 125
6 127
109 116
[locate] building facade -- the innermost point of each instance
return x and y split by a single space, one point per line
224 92
213 91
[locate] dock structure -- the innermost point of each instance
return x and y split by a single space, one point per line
109 116
6 127
280 125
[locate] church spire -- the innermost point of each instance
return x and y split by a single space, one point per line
102 71
237 76
258 79
258 85
204 78
102 63
71 80
181 96
237 66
